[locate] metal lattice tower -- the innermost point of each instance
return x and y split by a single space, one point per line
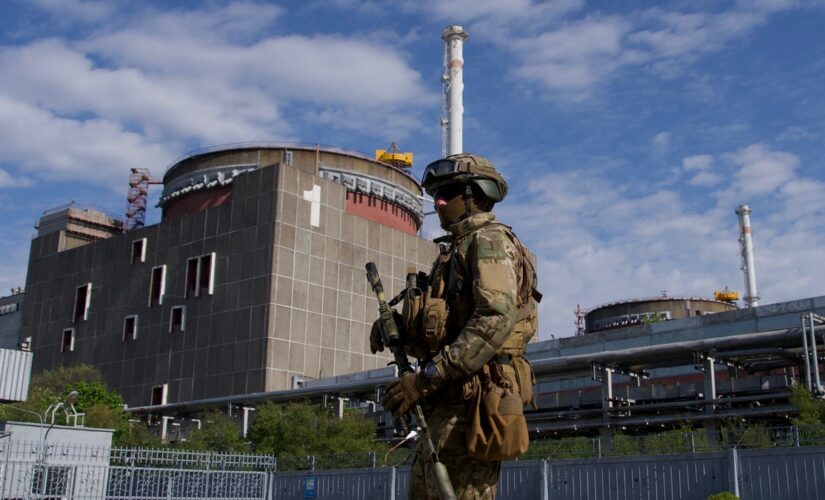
139 181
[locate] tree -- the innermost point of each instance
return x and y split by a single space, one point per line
102 406
305 429
219 432
811 410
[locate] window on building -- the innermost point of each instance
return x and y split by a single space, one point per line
157 285
159 395
177 321
67 342
51 481
82 300
139 250
200 275
206 273
130 326
192 276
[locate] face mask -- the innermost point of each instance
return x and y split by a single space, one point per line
449 204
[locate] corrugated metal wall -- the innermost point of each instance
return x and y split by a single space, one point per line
768 474
340 484
663 477
789 473
15 372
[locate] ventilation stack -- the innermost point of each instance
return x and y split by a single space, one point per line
452 126
746 243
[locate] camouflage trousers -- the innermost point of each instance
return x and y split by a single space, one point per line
471 478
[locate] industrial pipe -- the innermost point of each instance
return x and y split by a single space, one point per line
746 243
806 353
814 352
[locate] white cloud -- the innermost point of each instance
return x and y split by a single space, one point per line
762 170
55 148
702 174
573 58
9 181
167 81
568 57
599 239
453 11
661 142
80 10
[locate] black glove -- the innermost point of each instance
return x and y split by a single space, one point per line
402 393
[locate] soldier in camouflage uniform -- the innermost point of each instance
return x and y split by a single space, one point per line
487 292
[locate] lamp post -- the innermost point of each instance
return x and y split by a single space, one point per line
40 453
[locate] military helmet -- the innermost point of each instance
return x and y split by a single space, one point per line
465 168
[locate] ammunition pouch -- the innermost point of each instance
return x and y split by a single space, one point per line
434 318
497 429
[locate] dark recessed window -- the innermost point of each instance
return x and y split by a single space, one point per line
200 275
206 276
67 342
159 395
157 286
130 326
191 276
177 321
82 301
139 250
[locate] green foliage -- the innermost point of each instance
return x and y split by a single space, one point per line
103 407
725 495
625 446
811 410
305 429
218 433
568 447
754 435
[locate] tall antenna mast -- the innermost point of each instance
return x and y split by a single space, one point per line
746 243
452 123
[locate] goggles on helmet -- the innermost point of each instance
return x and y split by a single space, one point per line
438 169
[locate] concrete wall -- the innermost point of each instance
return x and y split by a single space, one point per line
289 298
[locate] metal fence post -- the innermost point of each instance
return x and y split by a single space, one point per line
692 442
372 460
796 436
545 480
311 460
733 456
393 473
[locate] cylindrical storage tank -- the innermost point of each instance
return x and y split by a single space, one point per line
376 191
650 310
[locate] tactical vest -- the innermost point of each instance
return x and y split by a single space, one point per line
435 318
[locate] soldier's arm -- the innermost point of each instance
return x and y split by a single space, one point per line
493 259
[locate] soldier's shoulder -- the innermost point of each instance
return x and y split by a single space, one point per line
495 240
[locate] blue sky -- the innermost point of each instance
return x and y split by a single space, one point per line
629 131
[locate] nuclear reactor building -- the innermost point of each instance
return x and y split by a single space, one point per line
252 281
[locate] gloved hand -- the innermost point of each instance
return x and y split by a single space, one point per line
377 337
402 393
377 334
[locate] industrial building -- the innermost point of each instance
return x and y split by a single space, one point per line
252 281
10 308
651 310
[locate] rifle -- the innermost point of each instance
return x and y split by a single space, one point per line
392 339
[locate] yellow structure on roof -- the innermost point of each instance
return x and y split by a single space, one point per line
726 295
394 157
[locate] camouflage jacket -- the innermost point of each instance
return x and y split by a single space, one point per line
482 278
